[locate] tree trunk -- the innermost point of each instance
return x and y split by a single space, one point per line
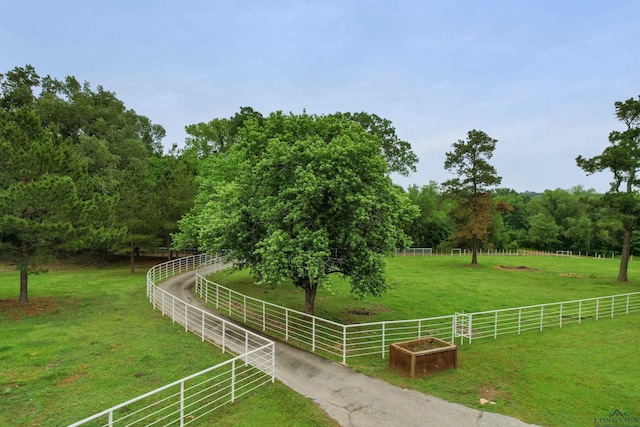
24 275
474 251
133 258
626 254
24 298
169 250
310 298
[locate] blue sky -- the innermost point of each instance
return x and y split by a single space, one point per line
539 76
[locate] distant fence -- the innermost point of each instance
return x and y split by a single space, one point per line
341 341
187 400
502 252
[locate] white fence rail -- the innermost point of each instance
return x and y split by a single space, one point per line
188 399
344 341
490 324
503 252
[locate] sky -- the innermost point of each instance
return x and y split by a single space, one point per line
540 76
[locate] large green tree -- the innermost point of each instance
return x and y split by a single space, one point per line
299 197
46 203
622 159
472 187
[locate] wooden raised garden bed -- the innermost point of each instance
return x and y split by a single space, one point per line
423 356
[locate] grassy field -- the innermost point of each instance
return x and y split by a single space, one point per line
559 377
89 339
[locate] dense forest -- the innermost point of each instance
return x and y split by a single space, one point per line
80 172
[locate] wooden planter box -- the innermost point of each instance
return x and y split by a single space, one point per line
424 356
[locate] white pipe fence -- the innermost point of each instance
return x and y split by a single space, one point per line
185 401
340 341
502 252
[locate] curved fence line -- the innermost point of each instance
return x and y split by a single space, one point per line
339 341
187 400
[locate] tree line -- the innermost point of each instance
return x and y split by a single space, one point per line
296 197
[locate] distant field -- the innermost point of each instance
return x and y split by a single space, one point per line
89 339
560 377
442 285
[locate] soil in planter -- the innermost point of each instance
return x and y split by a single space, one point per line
423 345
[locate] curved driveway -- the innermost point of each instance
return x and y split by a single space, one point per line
351 398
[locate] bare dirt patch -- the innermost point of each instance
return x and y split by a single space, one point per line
516 268
36 307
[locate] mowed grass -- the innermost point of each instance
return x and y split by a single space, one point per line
89 339
422 287
558 377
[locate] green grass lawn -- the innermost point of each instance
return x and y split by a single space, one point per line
560 377
89 339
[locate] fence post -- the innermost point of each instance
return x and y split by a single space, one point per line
264 316
186 317
580 312
470 326
561 315
597 307
181 403
613 303
203 319
519 320
286 324
233 381
224 335
541 317
495 327
454 321
383 338
344 344
628 303
313 334
244 308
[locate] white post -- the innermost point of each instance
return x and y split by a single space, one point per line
233 381
344 344
264 317
580 312
224 335
495 327
286 325
541 317
313 334
613 303
203 318
383 336
181 403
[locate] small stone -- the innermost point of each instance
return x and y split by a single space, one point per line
492 402
483 401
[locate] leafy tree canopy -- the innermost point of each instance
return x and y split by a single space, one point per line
622 159
299 197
